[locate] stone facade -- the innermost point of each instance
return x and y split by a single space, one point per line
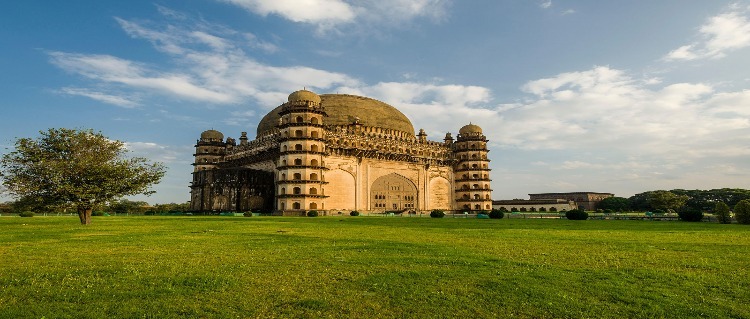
538 205
337 152
587 200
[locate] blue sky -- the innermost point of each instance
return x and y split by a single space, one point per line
606 96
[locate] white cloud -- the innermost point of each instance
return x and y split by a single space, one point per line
211 68
159 153
546 4
721 34
328 15
122 101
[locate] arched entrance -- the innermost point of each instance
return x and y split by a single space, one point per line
393 192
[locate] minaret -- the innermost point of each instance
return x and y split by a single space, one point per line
300 178
209 150
471 170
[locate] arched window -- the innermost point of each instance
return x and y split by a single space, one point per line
314 134
473 156
314 162
297 161
300 119
283 177
467 207
466 196
523 209
297 191
553 209
282 206
477 207
295 206
298 133
486 186
298 147
313 148
284 148
464 176
474 166
283 162
297 176
313 177
283 191
313 206
465 187
475 176
313 191
487 206
475 186
314 120
486 196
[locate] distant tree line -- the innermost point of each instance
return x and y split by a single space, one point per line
689 204
120 207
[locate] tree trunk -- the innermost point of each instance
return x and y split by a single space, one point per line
84 214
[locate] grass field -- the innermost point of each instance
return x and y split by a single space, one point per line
370 267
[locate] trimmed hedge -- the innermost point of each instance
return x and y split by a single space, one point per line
690 215
26 214
576 214
354 213
312 213
437 213
497 214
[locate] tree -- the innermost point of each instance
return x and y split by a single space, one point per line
617 204
722 213
78 168
742 211
125 206
666 200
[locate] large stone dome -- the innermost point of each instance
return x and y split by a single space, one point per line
470 129
343 109
212 135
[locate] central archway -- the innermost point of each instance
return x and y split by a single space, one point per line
393 192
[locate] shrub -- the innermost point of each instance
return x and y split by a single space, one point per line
722 213
742 211
312 213
248 214
149 213
576 214
97 213
354 213
690 215
497 214
437 213
26 214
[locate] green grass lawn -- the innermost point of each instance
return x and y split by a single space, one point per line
371 267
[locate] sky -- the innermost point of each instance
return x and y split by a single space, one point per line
605 96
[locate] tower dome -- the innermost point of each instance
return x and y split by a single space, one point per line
470 130
304 95
212 135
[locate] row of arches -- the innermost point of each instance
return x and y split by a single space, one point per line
299 162
297 205
300 147
474 186
476 196
301 134
477 207
298 177
298 191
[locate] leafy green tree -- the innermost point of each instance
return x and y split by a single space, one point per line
125 206
617 204
722 213
77 168
742 211
666 200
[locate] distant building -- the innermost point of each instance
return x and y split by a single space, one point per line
587 200
539 205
